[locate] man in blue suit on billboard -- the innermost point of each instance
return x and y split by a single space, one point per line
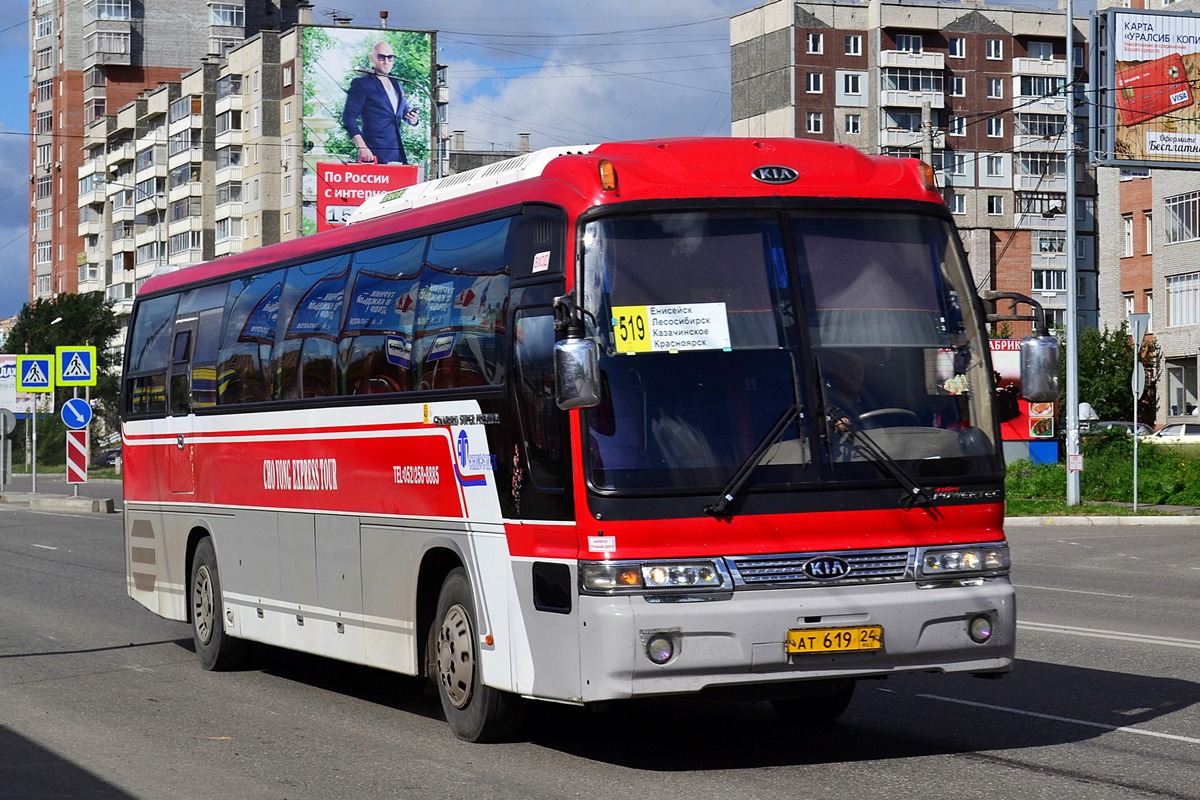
378 100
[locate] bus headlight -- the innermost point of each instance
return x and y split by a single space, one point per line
958 561
653 577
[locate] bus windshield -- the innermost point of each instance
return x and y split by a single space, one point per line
715 325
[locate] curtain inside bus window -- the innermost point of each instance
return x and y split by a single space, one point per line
458 338
312 304
251 317
376 337
149 353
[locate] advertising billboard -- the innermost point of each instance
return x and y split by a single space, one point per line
367 116
1147 67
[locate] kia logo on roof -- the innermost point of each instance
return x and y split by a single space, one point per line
775 174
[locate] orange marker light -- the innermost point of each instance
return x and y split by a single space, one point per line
608 175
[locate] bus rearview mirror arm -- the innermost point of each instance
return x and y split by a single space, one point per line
1039 353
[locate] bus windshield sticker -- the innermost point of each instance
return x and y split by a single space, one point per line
663 328
602 544
442 346
541 261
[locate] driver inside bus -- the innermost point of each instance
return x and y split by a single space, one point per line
844 373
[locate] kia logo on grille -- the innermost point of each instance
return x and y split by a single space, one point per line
826 568
775 174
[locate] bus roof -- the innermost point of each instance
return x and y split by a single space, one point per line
684 168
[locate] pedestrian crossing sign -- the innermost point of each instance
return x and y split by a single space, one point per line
35 373
76 365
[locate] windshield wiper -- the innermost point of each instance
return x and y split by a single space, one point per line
738 482
915 493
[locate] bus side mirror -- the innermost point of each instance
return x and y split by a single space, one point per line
576 373
1039 369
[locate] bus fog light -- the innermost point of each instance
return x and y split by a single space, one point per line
660 648
980 629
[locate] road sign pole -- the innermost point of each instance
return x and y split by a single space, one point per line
33 454
75 488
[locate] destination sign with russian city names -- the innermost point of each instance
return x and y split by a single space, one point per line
659 328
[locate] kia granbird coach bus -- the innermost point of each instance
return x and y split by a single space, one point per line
593 424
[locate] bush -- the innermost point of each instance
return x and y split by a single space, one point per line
1166 475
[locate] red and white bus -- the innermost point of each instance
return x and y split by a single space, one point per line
592 424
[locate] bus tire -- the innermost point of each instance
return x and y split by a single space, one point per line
474 711
217 649
816 709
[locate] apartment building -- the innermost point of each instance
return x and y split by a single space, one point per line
1150 250
975 89
90 58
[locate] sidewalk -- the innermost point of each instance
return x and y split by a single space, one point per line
97 496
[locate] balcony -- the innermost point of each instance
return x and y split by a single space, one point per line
909 60
189 189
227 174
1041 183
228 138
121 154
90 227
1036 66
232 209
907 98
1056 104
898 137
228 246
1040 144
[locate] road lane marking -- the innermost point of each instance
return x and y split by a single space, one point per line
1068 720
1074 591
1139 638
45 547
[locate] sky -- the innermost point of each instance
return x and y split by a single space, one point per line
565 73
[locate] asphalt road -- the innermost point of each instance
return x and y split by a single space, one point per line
99 698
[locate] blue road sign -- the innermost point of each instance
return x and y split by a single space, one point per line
76 413
76 365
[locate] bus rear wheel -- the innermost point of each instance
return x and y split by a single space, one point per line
217 649
475 712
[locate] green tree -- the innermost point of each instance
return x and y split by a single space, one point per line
69 319
1105 369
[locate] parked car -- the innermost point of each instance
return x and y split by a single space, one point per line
1176 433
1142 428
106 457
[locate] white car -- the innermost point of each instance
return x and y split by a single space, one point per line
1176 433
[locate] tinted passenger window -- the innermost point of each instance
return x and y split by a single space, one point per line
252 311
148 356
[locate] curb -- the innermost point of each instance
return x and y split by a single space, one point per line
1038 522
51 502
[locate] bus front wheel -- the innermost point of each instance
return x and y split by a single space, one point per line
475 712
217 649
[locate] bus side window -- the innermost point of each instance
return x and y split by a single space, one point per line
312 305
148 356
204 359
181 357
541 421
251 314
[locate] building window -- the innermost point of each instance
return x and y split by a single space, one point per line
287 112
994 166
1044 125
45 58
953 163
912 80
229 121
812 82
853 123
1127 297
995 50
814 43
44 187
44 25
1043 51
1049 280
853 45
106 42
287 222
996 88
1049 243
995 205
44 216
852 83
1183 299
909 43
1183 218
44 252
957 47
1041 85
814 122
1050 166
995 127
228 14
958 203
1149 295
45 121
1127 234
44 153
288 71
229 193
958 86
1149 233
45 91
107 10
